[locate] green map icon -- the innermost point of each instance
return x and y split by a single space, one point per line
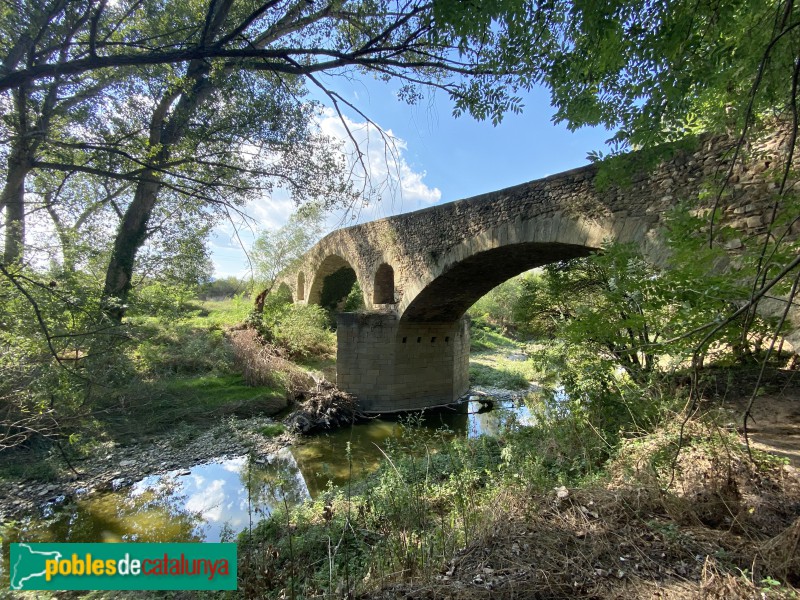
27 564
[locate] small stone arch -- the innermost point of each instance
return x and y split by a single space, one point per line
301 286
333 265
383 290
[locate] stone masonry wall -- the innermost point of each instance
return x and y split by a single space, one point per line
418 245
391 366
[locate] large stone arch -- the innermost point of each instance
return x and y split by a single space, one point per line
476 265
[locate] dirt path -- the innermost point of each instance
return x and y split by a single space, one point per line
775 426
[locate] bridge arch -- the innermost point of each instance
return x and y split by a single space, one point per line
332 282
447 297
417 354
478 264
284 291
383 285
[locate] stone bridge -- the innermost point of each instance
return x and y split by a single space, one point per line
420 271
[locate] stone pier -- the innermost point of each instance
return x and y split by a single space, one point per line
392 365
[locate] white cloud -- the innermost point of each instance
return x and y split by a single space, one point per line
208 501
390 184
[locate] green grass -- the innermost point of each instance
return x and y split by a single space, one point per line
485 337
183 372
170 402
325 365
219 313
23 465
218 392
488 365
485 375
272 430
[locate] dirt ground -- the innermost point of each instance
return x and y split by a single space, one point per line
775 423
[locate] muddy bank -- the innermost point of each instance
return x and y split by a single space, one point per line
113 465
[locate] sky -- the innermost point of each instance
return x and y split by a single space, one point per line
436 158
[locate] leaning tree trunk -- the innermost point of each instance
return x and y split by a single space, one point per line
131 235
132 231
166 130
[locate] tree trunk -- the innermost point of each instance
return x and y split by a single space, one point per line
166 130
130 237
13 199
262 297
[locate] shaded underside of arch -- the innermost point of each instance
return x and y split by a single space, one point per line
383 288
448 296
327 267
285 291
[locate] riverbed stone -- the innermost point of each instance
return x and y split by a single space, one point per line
20 500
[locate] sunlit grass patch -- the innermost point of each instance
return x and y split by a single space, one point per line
224 393
220 313
486 337
272 430
493 369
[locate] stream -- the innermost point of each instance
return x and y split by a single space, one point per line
216 500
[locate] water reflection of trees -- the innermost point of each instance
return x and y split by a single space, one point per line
277 480
157 514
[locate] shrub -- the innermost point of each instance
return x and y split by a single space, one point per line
300 329
185 350
303 331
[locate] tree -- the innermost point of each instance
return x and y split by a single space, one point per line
31 33
498 305
134 125
272 50
227 287
657 71
276 250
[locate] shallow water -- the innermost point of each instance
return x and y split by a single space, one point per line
324 457
216 500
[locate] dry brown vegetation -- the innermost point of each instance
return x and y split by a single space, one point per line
721 527
263 364
319 403
323 407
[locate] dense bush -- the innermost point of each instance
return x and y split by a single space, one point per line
302 329
49 323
